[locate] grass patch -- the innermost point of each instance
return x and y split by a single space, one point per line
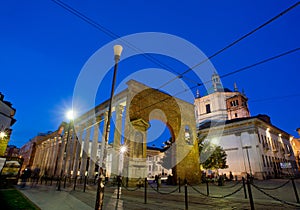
12 199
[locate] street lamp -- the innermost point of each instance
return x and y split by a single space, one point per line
2 134
117 53
70 116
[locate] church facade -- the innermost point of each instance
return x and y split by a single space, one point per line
252 143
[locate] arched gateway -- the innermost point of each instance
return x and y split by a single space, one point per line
145 104
80 153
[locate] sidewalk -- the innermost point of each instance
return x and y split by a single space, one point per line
46 197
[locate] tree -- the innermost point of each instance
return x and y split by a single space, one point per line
211 156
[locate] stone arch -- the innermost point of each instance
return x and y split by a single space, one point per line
145 104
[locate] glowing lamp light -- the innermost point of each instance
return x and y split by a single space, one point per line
123 149
117 52
70 115
2 134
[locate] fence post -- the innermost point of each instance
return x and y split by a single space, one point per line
295 190
84 184
145 194
51 180
207 188
65 181
244 186
59 182
185 194
119 185
179 184
250 192
75 179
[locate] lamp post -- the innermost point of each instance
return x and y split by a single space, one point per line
248 147
117 53
70 116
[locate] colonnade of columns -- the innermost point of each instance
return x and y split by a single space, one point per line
75 152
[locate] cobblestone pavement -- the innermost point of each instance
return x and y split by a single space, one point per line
47 197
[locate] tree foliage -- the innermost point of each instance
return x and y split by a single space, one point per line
211 156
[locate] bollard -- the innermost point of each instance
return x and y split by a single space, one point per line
119 185
185 194
207 188
84 184
41 179
244 186
46 179
51 180
249 192
58 186
179 184
295 190
145 194
65 181
75 179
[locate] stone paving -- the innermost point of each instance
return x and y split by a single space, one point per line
47 197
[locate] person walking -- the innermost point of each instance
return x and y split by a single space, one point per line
25 176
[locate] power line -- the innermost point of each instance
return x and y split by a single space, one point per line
116 36
156 61
180 75
225 75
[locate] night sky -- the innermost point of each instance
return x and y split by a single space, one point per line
43 48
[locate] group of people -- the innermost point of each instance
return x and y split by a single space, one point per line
28 173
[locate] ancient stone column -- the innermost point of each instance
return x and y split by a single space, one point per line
85 151
103 144
93 156
77 152
117 141
60 160
55 152
69 151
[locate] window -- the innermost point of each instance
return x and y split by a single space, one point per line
208 108
263 158
235 114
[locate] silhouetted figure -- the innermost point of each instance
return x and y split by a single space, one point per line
35 176
25 175
230 176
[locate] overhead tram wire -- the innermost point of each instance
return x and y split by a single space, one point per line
226 75
116 36
239 39
154 60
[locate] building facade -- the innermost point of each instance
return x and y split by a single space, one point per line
253 144
7 113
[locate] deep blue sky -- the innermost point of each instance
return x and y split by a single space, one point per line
44 47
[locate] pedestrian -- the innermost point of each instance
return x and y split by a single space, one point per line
25 176
35 176
230 176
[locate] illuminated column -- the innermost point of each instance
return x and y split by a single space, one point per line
93 157
77 152
103 139
60 156
43 157
55 152
117 140
85 151
70 152
50 156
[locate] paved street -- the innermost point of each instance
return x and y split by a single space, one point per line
46 197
